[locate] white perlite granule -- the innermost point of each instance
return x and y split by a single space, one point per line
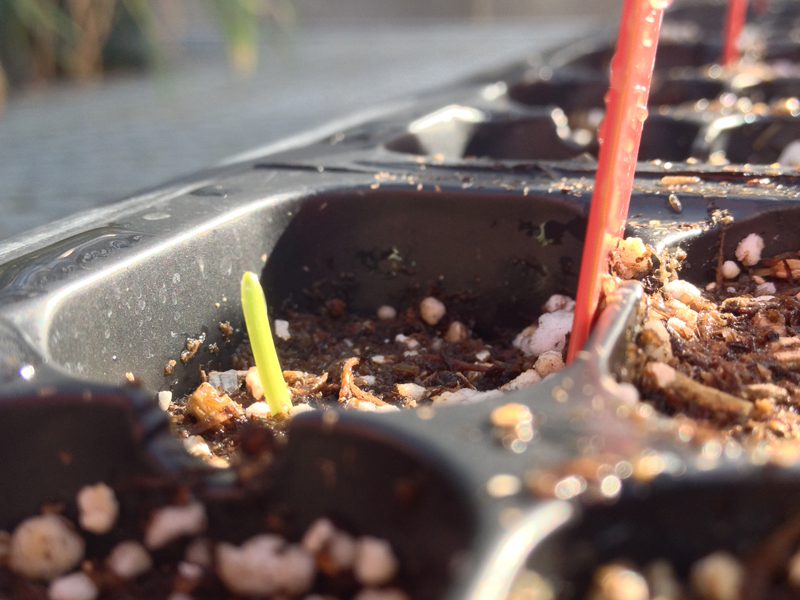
766 289
317 536
730 270
558 302
98 508
257 409
300 408
790 155
523 380
381 594
129 559
616 582
199 552
549 362
196 445
432 310
45 547
252 382
375 563
412 391
76 586
342 550
265 565
465 396
718 576
456 332
386 313
631 258
683 291
164 400
550 334
172 522
282 329
749 250
793 571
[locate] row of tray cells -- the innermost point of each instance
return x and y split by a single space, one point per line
556 118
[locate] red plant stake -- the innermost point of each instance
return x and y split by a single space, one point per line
619 136
734 22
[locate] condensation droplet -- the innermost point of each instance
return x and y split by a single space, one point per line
641 113
660 4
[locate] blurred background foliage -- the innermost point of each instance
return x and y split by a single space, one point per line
41 40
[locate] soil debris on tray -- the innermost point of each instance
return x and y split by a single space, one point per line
426 354
172 555
726 356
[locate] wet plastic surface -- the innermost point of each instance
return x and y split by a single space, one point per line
122 294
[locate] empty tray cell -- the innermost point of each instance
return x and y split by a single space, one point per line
668 139
545 135
582 92
444 132
670 54
770 140
506 253
783 51
678 526
376 483
701 266
667 90
537 138
774 89
567 93
706 15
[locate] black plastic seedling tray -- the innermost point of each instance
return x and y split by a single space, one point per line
482 187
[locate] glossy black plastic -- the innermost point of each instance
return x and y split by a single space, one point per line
483 188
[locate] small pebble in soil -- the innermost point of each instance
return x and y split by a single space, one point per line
76 586
164 399
282 329
375 563
386 313
456 332
631 258
730 270
617 582
129 560
432 310
98 508
525 379
718 576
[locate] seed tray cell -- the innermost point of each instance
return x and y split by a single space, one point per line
482 189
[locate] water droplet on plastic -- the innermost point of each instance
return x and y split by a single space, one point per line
647 42
641 113
660 4
628 146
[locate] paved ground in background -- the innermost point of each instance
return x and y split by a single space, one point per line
74 147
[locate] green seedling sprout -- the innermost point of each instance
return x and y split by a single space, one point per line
254 305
